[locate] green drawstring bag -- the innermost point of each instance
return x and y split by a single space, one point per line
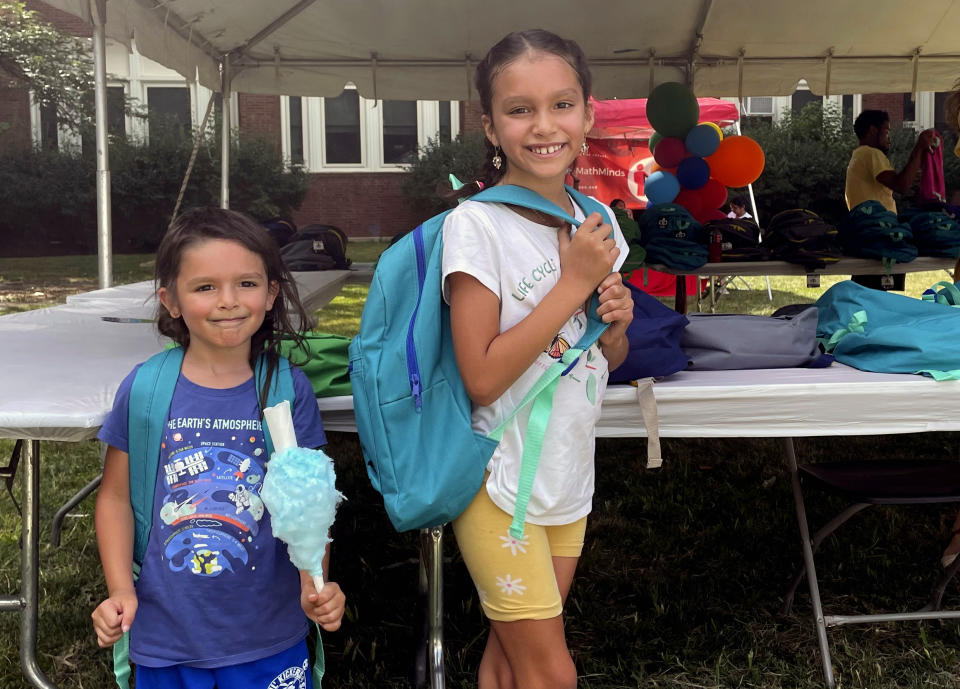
323 357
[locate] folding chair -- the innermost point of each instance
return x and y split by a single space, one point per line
866 483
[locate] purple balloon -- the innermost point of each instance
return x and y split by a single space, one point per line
693 172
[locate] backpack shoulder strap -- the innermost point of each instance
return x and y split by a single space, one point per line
150 397
281 388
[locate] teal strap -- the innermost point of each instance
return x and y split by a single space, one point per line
319 661
121 661
532 449
857 321
943 292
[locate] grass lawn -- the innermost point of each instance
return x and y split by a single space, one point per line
679 585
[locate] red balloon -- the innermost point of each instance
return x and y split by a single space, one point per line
669 152
737 162
690 200
708 214
712 194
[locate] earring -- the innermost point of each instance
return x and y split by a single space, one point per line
584 147
497 160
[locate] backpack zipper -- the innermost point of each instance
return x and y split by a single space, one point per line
413 367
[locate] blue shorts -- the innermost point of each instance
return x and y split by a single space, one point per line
288 669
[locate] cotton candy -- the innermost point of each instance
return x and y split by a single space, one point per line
300 493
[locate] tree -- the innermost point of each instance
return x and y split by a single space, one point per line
57 67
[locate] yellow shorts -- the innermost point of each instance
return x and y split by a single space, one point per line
514 579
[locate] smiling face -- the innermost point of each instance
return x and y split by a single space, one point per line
539 118
222 294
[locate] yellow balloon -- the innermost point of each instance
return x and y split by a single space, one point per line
717 127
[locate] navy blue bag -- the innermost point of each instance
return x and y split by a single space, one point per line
654 337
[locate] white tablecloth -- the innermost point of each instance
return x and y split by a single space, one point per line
793 402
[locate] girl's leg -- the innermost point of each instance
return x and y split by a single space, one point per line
537 653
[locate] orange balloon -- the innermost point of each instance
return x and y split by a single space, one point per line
737 162
654 167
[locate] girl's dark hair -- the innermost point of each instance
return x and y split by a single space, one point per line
508 49
202 224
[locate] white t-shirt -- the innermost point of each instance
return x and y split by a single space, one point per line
518 260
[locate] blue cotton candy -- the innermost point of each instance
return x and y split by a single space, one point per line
300 493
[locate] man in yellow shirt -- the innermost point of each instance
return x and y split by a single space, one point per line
871 177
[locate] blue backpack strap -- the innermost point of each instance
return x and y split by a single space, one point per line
281 388
150 397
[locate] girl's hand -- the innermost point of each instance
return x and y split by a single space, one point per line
324 607
588 256
114 616
616 305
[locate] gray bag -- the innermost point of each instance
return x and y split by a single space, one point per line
735 341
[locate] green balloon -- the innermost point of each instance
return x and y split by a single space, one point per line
654 140
672 109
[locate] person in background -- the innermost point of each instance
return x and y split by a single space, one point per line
871 177
738 208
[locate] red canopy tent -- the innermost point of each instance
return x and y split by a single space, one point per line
618 160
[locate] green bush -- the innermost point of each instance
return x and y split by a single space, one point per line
48 198
463 157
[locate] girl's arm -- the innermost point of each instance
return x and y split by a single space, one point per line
491 361
326 606
114 522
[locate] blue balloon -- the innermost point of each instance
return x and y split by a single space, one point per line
702 140
693 172
661 187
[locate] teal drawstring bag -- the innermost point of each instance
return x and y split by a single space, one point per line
873 330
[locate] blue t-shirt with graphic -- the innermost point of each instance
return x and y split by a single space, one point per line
216 588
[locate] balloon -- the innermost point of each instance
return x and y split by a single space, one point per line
672 109
661 187
689 200
670 151
693 172
655 138
737 162
712 194
714 125
708 214
702 140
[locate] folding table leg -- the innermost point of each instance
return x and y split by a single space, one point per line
431 563
805 544
61 514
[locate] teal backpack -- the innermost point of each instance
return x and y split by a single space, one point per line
673 237
150 396
935 232
871 231
411 408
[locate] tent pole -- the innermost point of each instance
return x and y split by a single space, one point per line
225 125
753 205
98 11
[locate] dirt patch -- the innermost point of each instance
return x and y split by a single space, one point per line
22 295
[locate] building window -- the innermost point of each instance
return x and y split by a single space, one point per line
169 108
400 132
49 126
116 111
800 98
341 119
296 130
909 108
445 129
758 105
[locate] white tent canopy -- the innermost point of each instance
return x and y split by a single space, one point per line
426 49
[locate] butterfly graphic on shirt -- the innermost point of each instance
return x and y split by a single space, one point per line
558 347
